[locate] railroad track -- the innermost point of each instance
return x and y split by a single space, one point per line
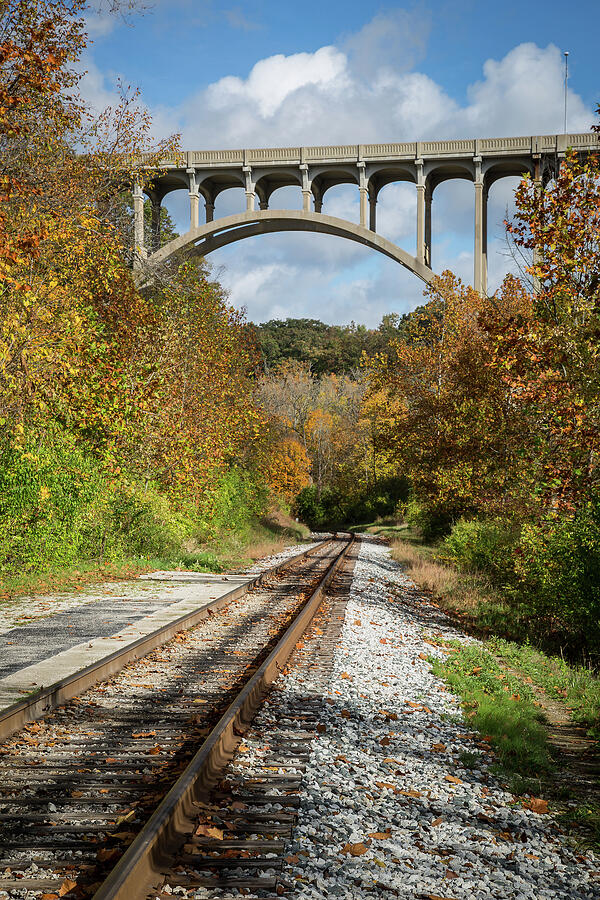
95 795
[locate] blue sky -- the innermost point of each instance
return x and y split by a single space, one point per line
271 73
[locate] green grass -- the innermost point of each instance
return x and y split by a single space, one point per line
228 552
577 687
386 528
498 705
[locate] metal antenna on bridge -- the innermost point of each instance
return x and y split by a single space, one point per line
566 55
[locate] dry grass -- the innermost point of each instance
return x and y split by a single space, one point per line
266 547
455 591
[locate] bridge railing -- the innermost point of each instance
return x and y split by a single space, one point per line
328 153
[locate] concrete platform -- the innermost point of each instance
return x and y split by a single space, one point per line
55 647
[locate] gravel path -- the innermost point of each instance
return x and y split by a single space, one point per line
388 809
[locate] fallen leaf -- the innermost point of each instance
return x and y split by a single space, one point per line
292 859
126 817
239 804
437 822
381 835
384 784
411 793
438 747
104 855
537 805
66 886
354 849
210 831
452 779
143 734
345 714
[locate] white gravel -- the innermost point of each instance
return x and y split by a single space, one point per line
430 826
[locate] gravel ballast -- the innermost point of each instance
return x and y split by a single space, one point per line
387 807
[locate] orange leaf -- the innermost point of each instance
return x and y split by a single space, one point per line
66 886
355 849
210 831
537 805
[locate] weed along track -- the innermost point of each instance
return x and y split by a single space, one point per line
93 795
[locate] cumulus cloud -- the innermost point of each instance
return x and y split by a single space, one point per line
322 97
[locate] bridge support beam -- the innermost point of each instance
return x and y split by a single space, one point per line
480 242
538 186
194 199
209 206
364 194
250 189
155 221
428 199
138 221
373 210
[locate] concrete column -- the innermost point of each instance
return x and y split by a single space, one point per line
194 199
155 222
318 200
428 199
138 221
421 223
372 210
538 186
263 204
479 249
364 194
194 210
210 210
306 188
250 189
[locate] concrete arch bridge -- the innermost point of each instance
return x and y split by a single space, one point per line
426 164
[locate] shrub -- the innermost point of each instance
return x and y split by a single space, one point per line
46 487
558 567
482 546
237 498
431 522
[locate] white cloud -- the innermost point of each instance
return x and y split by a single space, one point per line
275 80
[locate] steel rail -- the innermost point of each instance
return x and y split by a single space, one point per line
38 704
139 868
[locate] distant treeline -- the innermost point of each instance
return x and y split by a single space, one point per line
329 349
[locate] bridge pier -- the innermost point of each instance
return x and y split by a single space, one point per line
373 210
138 223
480 242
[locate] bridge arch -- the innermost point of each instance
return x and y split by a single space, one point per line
204 239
